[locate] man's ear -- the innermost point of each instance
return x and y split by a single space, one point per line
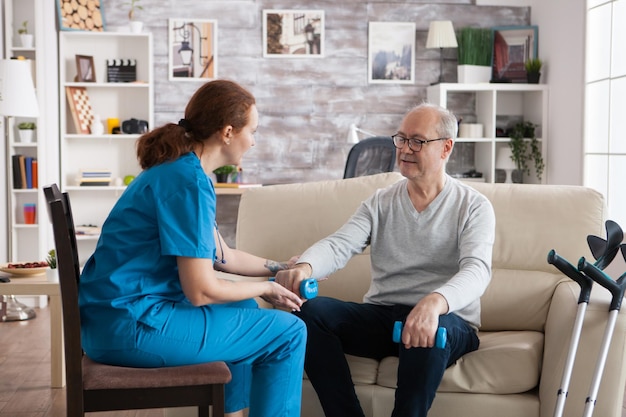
448 145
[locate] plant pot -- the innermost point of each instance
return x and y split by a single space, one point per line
533 77
222 177
52 275
136 26
469 74
26 135
517 176
27 40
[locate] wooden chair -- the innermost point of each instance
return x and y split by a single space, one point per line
93 386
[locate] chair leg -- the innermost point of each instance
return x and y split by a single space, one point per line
218 400
203 411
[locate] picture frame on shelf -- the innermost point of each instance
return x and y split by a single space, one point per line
192 49
293 33
85 69
80 108
81 16
512 47
391 53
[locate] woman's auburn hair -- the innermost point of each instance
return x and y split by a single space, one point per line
213 106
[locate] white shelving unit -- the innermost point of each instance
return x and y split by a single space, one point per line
31 242
494 101
120 100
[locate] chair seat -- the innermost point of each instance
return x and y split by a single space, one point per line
98 376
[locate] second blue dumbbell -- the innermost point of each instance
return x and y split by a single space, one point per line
440 338
308 288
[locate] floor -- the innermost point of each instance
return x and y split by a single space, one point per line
25 373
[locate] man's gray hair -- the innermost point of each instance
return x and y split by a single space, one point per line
448 126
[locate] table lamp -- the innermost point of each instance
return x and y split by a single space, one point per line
17 99
505 163
441 35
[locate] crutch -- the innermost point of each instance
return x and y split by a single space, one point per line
617 291
604 251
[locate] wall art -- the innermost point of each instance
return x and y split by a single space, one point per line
192 50
512 47
391 52
293 33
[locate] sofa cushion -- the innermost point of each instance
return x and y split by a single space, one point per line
505 363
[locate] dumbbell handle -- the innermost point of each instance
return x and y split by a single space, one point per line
440 338
308 288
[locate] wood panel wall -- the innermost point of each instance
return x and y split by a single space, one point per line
306 106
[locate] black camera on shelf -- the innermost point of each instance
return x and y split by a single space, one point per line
134 126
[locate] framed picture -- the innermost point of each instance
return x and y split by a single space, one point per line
85 70
192 50
512 47
80 108
391 53
293 33
82 15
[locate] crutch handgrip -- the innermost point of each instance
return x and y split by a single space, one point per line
616 288
569 270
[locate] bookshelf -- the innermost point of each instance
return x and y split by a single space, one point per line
115 96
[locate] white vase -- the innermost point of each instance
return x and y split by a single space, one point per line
26 135
471 74
96 128
27 40
136 26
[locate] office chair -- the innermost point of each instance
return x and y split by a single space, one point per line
93 386
371 156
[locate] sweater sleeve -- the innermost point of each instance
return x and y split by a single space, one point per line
333 252
476 240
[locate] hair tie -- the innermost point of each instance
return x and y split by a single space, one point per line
184 123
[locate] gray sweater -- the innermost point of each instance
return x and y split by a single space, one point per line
446 248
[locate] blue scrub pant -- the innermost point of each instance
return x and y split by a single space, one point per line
337 327
263 348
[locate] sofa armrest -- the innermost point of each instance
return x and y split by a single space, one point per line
558 332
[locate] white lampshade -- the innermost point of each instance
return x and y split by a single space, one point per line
17 92
441 35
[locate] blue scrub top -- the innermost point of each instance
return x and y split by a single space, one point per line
167 211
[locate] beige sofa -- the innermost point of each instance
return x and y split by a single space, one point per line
527 312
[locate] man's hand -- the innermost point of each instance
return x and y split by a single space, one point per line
421 324
291 278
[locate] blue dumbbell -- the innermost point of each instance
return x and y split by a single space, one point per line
308 288
440 338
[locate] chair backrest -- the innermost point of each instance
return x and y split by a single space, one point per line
60 212
371 156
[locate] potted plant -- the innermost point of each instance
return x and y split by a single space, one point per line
222 173
25 37
475 48
533 68
136 26
522 134
26 131
52 273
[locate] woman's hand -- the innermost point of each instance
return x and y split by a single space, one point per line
279 296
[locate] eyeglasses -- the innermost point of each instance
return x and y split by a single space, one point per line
415 144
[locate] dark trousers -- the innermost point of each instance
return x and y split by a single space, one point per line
337 327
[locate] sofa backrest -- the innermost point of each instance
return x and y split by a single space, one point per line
280 221
531 220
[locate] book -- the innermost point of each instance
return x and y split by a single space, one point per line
35 173
22 170
28 167
17 176
236 185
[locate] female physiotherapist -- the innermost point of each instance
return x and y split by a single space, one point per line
149 295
